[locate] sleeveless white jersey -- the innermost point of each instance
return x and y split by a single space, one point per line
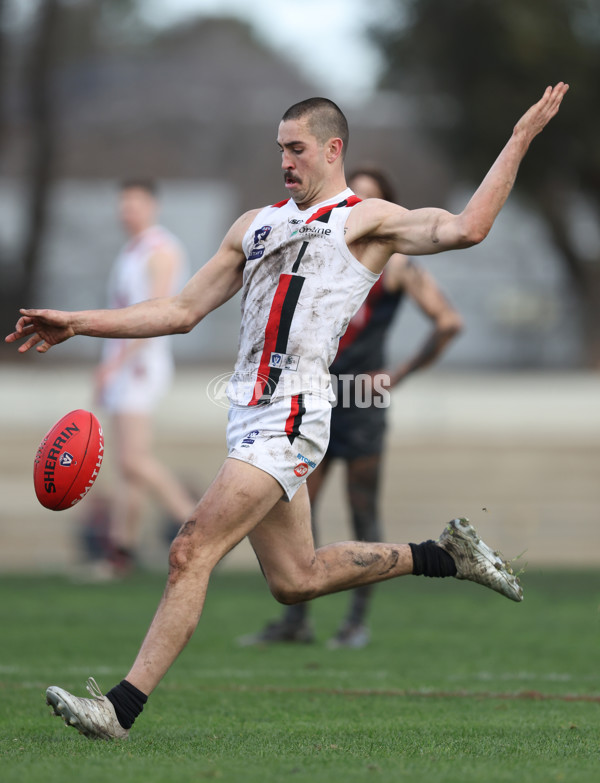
128 284
129 281
301 286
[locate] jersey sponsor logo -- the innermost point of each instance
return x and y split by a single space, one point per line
293 224
257 252
285 361
315 231
301 469
312 231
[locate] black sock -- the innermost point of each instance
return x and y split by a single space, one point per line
128 702
429 559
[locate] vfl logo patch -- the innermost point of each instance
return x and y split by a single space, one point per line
260 236
301 469
66 460
286 361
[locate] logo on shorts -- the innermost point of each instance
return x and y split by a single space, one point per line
249 438
66 459
308 461
301 469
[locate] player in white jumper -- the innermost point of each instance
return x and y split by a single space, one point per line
290 335
135 374
245 499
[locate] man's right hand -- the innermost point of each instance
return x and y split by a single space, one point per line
41 328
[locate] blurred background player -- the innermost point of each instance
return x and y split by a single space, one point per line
134 374
357 433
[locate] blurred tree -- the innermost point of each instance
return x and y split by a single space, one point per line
55 34
2 72
473 66
42 112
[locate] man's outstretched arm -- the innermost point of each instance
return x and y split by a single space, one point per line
426 231
216 282
478 216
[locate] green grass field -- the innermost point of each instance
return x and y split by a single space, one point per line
459 684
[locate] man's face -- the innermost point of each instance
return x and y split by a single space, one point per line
303 161
137 210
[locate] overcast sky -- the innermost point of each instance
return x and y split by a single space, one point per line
325 38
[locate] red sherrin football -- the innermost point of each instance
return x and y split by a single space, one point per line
68 460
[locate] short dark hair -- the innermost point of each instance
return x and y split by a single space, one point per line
142 183
388 192
325 120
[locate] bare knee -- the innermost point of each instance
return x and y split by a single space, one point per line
190 551
194 551
290 595
287 590
181 551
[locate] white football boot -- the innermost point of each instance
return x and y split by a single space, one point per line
476 562
95 718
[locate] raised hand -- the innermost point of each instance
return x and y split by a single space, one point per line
539 115
42 328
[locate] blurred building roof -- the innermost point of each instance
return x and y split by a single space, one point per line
198 108
203 101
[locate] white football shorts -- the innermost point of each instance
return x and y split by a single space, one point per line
286 438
